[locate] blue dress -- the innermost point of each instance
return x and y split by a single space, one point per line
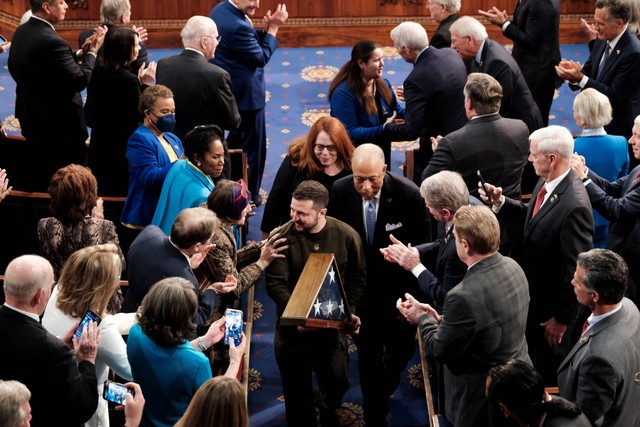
168 376
185 186
608 157
148 165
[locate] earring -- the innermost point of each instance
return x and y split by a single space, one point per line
199 164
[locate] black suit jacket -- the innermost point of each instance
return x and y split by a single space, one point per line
495 146
63 391
49 79
151 258
202 92
143 56
534 31
619 80
517 102
402 212
442 37
562 229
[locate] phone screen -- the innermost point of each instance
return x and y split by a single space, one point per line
115 392
88 316
233 326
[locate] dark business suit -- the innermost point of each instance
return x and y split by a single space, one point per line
483 324
433 91
534 31
442 37
243 52
143 56
202 92
385 343
597 375
619 202
63 391
553 238
151 258
619 81
49 79
517 102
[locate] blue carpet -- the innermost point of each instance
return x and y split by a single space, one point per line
297 84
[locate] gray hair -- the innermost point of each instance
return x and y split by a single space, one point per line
368 153
593 108
636 121
13 394
606 273
452 6
554 139
616 9
112 10
26 275
410 34
196 28
466 26
445 190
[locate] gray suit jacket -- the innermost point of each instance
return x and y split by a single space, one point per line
483 324
598 373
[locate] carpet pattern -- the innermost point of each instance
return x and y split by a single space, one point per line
297 84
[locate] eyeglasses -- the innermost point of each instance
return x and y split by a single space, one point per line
218 38
320 148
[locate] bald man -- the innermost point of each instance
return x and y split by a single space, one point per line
63 386
390 204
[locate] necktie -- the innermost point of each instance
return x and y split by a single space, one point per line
607 51
584 327
539 199
370 217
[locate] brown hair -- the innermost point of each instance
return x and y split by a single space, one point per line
301 150
89 279
166 313
479 227
193 225
150 95
220 401
74 191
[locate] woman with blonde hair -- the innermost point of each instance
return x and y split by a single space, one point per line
89 280
221 401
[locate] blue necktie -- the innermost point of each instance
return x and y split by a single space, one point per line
370 217
607 51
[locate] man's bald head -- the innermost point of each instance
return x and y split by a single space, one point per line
367 163
25 276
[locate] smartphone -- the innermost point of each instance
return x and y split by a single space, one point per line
3 39
484 184
115 392
233 326
88 316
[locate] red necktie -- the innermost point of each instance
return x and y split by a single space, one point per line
539 199
584 327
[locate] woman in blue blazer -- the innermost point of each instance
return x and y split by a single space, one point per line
362 100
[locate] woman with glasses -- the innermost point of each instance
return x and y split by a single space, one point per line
191 180
362 100
230 202
324 155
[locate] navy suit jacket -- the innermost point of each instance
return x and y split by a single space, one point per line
493 145
151 258
63 391
553 238
202 92
401 212
243 52
598 373
619 81
517 101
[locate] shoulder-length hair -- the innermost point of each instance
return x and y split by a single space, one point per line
220 401
351 72
302 153
166 313
89 279
118 46
74 192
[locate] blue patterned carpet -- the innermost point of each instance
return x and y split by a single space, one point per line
297 84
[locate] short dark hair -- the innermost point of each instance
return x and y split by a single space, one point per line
193 225
118 46
167 311
616 9
199 139
36 5
227 199
314 191
605 273
484 92
150 95
74 192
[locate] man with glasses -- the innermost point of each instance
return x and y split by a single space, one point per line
558 225
445 13
202 91
613 68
